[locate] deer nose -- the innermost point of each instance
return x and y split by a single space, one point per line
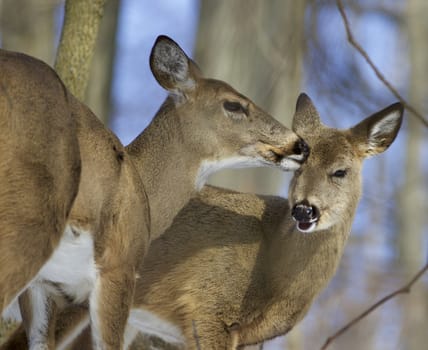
301 148
304 212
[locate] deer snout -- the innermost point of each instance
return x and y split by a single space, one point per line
305 212
291 158
305 215
301 150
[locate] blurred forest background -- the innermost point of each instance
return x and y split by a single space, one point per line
271 50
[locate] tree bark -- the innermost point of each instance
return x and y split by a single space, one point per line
413 197
98 92
257 47
29 27
413 200
81 22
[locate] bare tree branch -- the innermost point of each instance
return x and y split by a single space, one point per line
381 77
405 289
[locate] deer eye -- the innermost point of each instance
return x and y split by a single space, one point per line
234 107
340 173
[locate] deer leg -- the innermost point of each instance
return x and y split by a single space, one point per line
109 307
34 207
71 323
38 313
17 244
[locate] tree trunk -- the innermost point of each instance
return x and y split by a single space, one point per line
76 48
257 47
101 75
29 27
413 198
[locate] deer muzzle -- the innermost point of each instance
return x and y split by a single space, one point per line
288 158
306 216
301 148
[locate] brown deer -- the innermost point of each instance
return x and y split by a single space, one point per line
204 125
39 168
237 269
66 182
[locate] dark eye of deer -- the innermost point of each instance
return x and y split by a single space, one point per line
340 173
234 107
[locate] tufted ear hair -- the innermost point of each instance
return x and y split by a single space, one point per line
306 117
376 133
171 67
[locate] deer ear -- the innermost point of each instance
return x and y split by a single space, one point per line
377 132
306 117
171 67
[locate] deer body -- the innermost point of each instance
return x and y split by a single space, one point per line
101 225
39 168
237 269
248 279
202 121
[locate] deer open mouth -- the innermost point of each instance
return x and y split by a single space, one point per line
304 226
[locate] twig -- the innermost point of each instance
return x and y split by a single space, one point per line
195 335
405 289
381 77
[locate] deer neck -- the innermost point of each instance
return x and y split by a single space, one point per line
168 168
296 258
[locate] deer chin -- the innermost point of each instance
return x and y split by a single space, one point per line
306 227
289 164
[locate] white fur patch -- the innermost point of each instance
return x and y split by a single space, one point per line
95 321
130 335
72 264
288 164
383 127
387 124
39 347
209 167
39 325
148 323
12 312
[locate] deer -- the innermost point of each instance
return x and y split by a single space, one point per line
204 125
237 269
68 191
40 168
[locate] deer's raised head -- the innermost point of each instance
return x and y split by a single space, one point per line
224 126
328 184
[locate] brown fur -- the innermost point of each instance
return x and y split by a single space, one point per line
233 265
39 168
110 190
191 127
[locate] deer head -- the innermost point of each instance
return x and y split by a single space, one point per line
328 185
223 126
